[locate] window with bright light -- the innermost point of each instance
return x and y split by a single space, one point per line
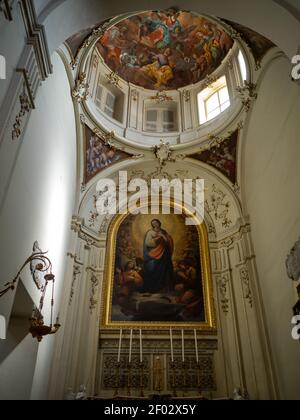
213 100
243 67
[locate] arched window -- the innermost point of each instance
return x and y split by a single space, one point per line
213 100
243 66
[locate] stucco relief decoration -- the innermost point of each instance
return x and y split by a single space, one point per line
164 50
25 104
186 95
76 272
134 95
218 206
104 224
161 97
163 153
246 286
113 79
81 90
293 262
93 293
223 282
248 94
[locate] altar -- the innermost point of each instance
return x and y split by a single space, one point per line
162 372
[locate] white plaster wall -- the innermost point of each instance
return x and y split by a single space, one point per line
271 181
39 205
12 40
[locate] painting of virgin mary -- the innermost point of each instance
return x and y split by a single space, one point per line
157 271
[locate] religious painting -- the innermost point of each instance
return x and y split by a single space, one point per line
100 155
258 44
157 273
164 50
75 41
222 157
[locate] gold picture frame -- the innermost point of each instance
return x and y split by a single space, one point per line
209 326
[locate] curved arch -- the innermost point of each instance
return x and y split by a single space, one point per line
281 27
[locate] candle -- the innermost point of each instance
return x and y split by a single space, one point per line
130 345
120 346
172 349
196 346
141 347
182 337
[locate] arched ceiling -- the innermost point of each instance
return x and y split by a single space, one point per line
62 18
163 50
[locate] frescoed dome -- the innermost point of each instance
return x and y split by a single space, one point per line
164 50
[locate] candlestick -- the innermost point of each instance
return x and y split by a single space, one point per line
120 346
172 349
130 345
196 346
182 336
141 347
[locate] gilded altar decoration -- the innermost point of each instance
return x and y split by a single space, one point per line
164 50
159 275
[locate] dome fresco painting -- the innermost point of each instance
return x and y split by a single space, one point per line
164 50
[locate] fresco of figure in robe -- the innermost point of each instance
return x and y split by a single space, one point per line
157 272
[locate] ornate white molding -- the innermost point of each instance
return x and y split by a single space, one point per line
94 287
245 278
113 79
161 97
20 97
163 153
19 121
6 7
76 272
81 90
248 94
36 37
223 284
186 95
218 206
